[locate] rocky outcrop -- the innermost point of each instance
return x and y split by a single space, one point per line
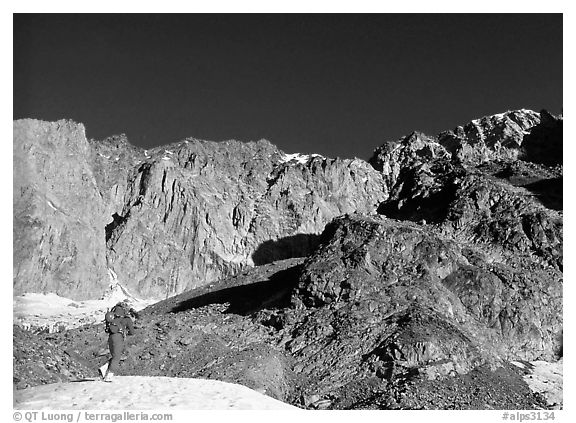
518 134
495 137
382 315
114 161
38 360
477 189
59 217
505 219
401 267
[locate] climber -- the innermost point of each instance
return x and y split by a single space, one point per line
118 324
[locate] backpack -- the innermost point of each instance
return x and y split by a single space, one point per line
110 326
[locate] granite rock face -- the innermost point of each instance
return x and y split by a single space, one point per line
171 218
59 214
203 210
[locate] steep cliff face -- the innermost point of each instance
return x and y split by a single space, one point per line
181 215
59 218
197 211
114 162
185 214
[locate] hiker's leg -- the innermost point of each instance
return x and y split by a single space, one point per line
116 345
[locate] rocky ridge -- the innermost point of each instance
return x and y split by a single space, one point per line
189 213
174 217
419 301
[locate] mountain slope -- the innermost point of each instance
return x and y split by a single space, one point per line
439 271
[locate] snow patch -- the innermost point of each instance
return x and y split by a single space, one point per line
102 155
299 158
53 313
146 153
136 394
501 116
527 111
545 378
51 205
165 158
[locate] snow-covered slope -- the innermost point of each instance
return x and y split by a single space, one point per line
55 313
144 393
546 379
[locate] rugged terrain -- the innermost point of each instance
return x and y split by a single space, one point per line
409 281
168 219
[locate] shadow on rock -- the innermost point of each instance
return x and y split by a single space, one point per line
548 192
299 245
273 292
544 142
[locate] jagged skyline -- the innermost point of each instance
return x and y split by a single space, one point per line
338 85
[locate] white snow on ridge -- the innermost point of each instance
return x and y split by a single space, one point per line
501 116
498 117
300 158
135 394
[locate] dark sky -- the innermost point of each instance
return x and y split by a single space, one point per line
338 85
